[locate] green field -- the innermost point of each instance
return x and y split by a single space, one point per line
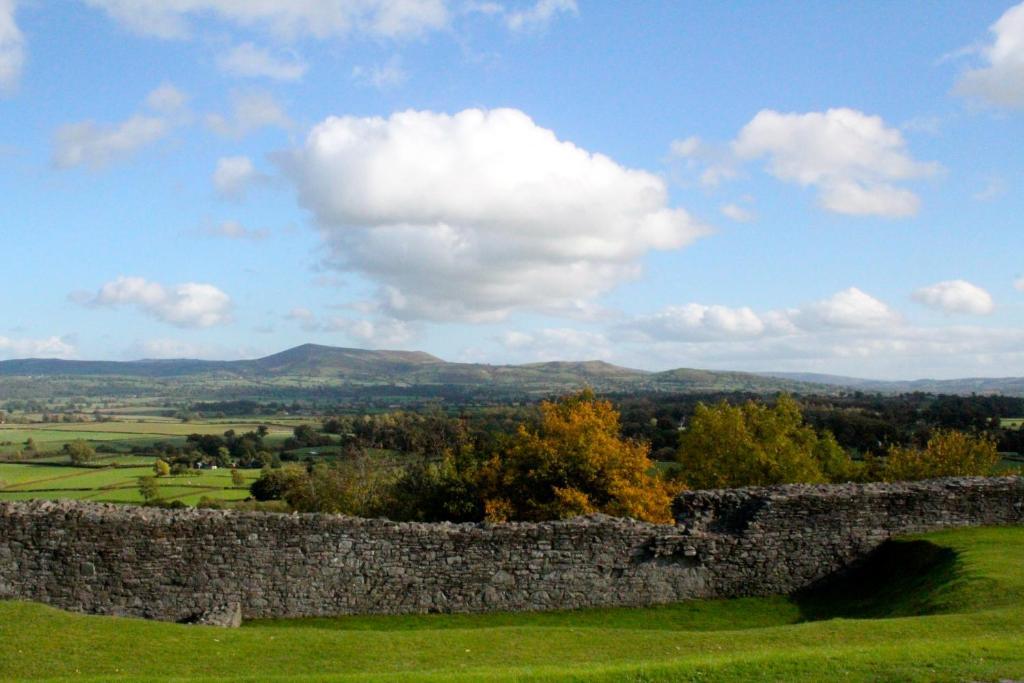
942 607
22 481
50 437
1011 422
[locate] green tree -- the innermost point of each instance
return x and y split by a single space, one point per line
79 452
149 489
949 453
445 491
237 479
348 487
753 444
274 483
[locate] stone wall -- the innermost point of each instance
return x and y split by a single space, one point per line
185 565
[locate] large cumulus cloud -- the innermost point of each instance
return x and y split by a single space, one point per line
474 215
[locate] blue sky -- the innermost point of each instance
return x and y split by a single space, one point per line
826 187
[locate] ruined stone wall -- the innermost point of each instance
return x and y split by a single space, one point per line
183 564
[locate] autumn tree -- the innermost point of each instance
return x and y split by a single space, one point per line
161 468
754 444
574 462
948 453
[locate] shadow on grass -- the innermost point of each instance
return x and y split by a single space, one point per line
899 579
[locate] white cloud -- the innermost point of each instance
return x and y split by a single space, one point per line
847 310
850 157
901 351
248 61
380 332
12 47
236 231
686 147
478 214
167 99
1018 284
251 111
88 143
557 344
956 296
716 163
51 347
737 213
97 146
994 188
168 348
1001 81
850 308
693 322
170 19
848 333
191 304
382 76
234 176
540 14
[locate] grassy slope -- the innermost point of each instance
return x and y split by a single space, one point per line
968 585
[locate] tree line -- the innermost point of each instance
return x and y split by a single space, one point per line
574 457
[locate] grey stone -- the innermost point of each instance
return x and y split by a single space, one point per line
176 564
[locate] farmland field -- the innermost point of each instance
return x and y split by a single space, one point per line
952 611
127 434
22 481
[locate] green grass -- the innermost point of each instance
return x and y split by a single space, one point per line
123 434
943 607
1011 422
24 481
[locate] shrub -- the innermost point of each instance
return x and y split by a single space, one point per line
161 468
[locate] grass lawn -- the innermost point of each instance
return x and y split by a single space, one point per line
23 481
942 607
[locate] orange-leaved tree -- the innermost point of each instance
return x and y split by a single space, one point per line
574 462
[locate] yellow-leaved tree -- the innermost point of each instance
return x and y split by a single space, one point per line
949 453
754 444
574 462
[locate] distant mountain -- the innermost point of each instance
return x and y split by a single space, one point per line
1007 386
312 367
327 371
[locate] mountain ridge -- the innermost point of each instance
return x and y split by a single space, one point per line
320 366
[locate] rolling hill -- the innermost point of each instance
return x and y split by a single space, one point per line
327 371
314 368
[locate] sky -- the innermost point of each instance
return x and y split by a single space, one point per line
824 187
